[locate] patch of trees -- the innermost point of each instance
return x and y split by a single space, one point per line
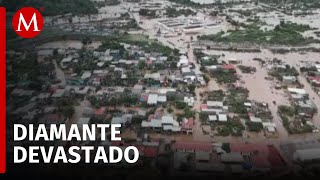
173 12
54 7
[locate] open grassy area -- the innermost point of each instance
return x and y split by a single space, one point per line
283 34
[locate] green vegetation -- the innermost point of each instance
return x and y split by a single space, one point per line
148 13
247 69
254 126
126 100
172 12
181 105
217 95
232 127
292 122
203 117
187 113
54 7
283 34
287 110
279 72
226 147
113 42
223 77
235 100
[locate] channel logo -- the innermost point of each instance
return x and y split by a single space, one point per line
27 22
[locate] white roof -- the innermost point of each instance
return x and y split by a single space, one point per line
307 154
247 104
289 78
317 66
185 70
67 59
269 124
222 117
162 98
255 119
215 103
271 129
297 91
153 123
86 75
152 98
213 118
171 128
167 120
100 64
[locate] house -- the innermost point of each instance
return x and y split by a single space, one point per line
189 101
137 89
298 91
255 119
154 124
287 80
269 126
217 118
162 99
59 93
154 76
123 120
228 68
152 99
100 112
86 75
234 61
65 62
307 155
183 61
166 123
314 80
187 125
306 107
214 107
169 124
262 157
232 157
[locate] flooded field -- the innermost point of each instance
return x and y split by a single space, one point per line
212 1
70 44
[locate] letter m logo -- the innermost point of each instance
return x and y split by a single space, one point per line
23 22
27 22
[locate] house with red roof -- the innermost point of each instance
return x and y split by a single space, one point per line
228 68
100 112
259 156
187 126
314 80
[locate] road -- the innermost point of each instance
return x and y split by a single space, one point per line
59 74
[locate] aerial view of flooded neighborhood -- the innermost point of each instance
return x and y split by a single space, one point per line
200 87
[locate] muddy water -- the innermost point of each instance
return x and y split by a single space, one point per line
212 1
261 89
69 44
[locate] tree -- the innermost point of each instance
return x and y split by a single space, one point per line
68 111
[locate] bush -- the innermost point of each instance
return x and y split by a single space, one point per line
254 126
180 105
